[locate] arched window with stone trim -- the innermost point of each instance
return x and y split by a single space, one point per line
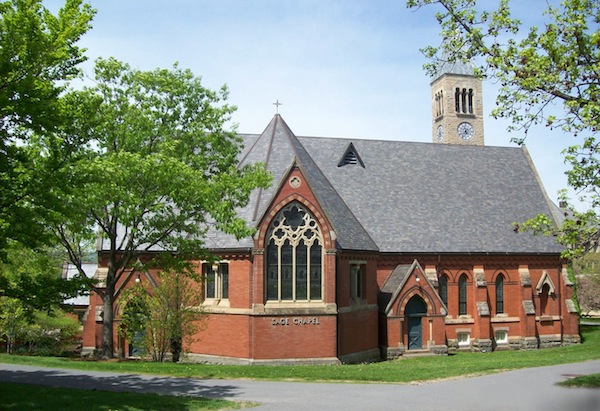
462 295
294 256
464 100
500 294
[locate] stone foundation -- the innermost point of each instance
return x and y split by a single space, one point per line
571 339
361 357
214 359
549 341
392 353
439 349
481 345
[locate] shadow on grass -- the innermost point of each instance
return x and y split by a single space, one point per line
118 382
17 396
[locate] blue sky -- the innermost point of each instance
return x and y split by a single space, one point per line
340 68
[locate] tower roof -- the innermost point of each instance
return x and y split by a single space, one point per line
453 67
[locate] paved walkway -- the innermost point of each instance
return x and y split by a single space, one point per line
529 389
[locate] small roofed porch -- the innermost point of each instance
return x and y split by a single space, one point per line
411 314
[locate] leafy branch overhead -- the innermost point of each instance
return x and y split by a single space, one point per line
548 75
38 55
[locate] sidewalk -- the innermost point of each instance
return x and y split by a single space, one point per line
528 389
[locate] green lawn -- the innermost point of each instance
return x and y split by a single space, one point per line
28 397
583 381
403 370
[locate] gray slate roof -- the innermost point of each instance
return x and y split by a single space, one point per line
446 66
404 197
392 284
409 197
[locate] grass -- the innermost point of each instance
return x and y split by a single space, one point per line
399 371
30 397
583 381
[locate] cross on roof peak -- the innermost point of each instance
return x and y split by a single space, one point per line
277 104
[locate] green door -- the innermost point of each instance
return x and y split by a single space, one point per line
414 312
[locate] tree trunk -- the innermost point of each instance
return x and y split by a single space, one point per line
107 321
176 345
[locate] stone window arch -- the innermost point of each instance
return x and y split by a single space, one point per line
294 256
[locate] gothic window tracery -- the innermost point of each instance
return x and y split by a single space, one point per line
294 256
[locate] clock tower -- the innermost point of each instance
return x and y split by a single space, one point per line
457 107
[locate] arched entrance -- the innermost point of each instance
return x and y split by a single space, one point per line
414 312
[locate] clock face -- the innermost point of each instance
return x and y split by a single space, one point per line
440 134
465 131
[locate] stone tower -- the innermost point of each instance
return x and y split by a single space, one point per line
457 106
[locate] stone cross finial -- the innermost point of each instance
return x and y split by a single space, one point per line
277 104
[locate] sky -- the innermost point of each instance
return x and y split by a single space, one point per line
340 68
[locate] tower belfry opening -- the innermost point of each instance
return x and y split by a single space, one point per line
457 112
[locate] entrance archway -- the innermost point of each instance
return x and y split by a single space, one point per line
414 312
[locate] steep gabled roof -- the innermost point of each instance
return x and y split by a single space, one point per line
396 281
279 149
409 197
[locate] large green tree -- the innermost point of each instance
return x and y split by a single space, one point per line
155 168
548 75
38 53
35 278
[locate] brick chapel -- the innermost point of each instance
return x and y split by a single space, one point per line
370 249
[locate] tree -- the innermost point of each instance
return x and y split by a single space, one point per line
154 167
51 333
168 315
34 278
588 293
13 322
548 75
38 54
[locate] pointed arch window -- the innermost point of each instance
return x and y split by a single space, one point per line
443 289
500 294
462 295
294 256
544 299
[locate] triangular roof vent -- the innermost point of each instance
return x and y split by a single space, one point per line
351 157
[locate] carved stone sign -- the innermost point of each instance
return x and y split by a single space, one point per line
295 321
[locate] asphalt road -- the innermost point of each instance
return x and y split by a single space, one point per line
529 389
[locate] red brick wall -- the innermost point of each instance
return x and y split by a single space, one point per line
358 331
289 338
224 335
